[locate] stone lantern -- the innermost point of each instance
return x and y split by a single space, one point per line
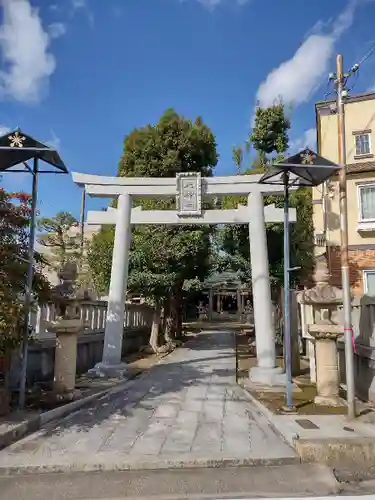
325 330
66 326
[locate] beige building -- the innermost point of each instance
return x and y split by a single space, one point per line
360 141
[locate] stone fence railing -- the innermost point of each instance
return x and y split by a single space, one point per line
137 324
137 316
363 320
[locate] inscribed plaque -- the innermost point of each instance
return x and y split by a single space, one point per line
188 194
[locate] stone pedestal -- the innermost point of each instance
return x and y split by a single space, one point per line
327 373
66 331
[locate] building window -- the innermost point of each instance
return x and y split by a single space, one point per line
369 282
362 144
366 195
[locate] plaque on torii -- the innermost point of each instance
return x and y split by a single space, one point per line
189 194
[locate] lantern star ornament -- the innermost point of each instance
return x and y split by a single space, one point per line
16 140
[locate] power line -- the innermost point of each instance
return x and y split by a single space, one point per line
352 71
367 55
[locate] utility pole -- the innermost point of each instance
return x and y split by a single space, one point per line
347 303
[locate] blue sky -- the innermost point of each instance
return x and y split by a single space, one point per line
80 74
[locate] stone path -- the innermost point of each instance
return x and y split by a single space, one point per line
187 410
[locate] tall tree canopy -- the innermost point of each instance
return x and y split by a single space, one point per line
270 141
164 260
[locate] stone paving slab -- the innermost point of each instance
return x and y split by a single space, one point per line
187 410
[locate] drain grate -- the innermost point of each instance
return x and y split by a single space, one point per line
306 424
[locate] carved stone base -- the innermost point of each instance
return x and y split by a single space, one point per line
327 374
52 398
102 370
267 376
328 401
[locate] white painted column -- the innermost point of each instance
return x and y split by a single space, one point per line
266 371
114 329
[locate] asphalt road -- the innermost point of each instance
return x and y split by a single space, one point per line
240 482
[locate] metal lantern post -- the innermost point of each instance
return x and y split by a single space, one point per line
16 149
29 283
287 338
305 168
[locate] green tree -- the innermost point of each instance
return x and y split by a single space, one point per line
237 153
270 137
99 258
164 260
270 131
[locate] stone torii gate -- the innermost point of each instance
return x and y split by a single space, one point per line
189 189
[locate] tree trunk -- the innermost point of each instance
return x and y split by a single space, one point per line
168 319
176 311
4 390
154 335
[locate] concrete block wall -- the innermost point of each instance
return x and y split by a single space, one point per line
41 355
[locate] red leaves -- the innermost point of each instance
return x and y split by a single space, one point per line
23 197
14 233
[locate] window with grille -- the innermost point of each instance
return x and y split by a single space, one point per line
369 282
362 144
366 195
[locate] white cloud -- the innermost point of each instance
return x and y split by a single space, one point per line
79 4
25 49
56 30
307 140
296 79
4 130
82 5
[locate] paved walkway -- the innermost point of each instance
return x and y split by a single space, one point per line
186 410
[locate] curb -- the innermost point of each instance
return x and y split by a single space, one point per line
344 450
359 450
115 463
34 423
289 437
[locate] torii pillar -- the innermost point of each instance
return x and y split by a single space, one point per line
266 372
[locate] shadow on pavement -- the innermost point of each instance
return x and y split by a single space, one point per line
165 381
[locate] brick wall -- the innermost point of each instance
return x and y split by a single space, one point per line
359 259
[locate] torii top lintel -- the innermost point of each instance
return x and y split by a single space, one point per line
155 187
